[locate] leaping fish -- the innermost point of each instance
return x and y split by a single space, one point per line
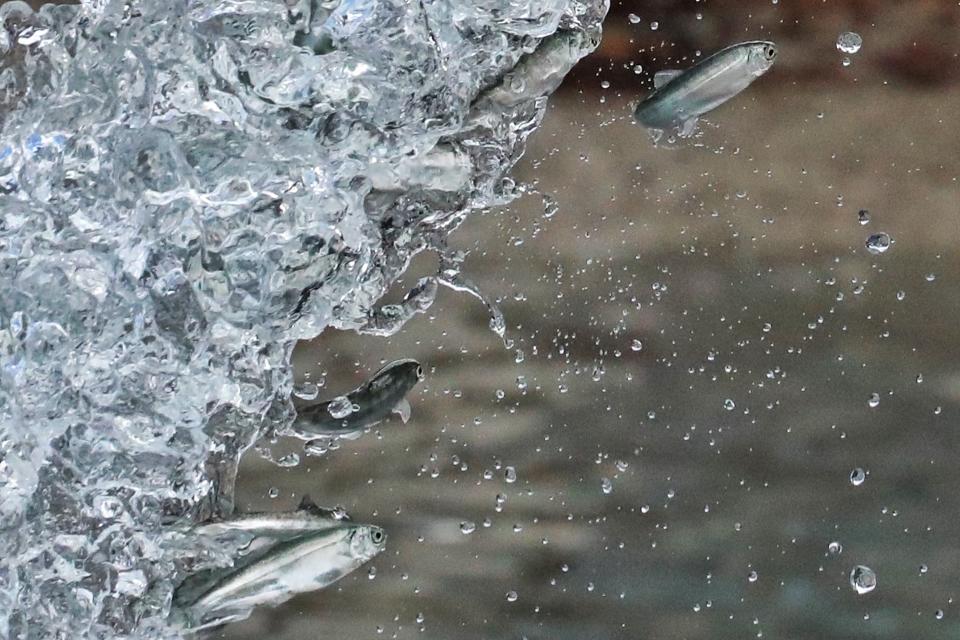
305 563
680 97
372 402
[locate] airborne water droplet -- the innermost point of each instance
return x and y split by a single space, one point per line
606 485
857 476
849 42
878 243
863 579
340 407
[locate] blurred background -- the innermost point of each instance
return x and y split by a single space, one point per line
703 352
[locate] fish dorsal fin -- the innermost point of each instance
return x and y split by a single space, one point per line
403 410
660 78
307 504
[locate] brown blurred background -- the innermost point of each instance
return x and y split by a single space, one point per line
737 265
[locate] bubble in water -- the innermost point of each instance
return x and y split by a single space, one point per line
636 345
108 507
510 475
633 18
466 527
835 548
752 576
340 407
849 42
878 243
654 25
863 579
938 614
729 404
512 596
863 216
873 401
857 476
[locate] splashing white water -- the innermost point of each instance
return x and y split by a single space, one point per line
188 187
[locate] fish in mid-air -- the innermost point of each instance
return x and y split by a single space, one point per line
372 402
680 97
274 575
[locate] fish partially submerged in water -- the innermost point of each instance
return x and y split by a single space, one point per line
370 403
680 97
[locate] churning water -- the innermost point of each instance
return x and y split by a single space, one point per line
187 188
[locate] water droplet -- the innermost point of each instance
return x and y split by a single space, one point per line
878 243
834 548
863 216
466 528
606 485
873 401
857 476
289 460
849 42
512 596
863 579
340 407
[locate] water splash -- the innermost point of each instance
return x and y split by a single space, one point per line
186 189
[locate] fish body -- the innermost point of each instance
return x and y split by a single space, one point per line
276 526
305 563
375 400
680 97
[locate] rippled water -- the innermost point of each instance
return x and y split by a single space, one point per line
187 189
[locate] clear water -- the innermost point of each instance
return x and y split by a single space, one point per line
187 188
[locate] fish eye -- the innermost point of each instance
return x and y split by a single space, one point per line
419 372
377 536
770 52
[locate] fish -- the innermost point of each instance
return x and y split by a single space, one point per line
278 525
305 563
384 393
679 98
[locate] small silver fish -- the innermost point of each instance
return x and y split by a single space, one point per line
276 526
680 97
306 563
376 399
